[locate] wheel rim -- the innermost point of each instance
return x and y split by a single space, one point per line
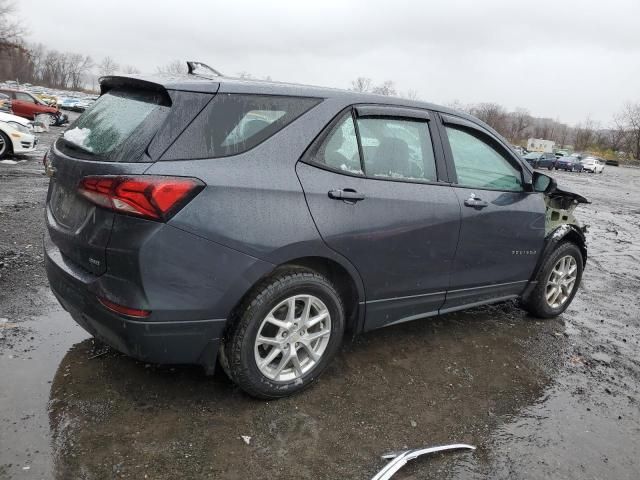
292 338
562 281
3 146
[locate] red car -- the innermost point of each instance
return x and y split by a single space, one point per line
26 105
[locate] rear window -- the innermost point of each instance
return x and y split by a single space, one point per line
117 127
234 123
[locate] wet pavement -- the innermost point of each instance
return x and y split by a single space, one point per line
541 399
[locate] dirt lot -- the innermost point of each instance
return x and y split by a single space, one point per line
541 399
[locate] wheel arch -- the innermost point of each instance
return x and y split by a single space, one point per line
562 233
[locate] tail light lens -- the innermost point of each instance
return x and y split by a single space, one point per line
153 198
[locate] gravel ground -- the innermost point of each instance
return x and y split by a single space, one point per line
541 399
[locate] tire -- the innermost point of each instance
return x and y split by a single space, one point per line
5 145
537 303
241 350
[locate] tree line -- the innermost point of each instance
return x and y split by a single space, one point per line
620 138
37 64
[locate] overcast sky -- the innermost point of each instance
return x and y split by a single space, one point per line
565 59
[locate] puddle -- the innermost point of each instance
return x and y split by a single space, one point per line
27 372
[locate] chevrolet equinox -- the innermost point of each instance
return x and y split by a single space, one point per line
197 219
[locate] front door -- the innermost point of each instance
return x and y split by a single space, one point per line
502 229
375 194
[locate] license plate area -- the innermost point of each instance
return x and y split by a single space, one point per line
67 207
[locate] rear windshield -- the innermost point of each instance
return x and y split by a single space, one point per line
234 123
117 127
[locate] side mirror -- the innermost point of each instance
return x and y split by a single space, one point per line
543 183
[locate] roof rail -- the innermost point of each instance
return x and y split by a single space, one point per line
195 66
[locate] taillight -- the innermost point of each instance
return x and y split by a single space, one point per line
153 198
122 310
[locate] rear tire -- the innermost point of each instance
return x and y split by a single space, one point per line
273 348
556 285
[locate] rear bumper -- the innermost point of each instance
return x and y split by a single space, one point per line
158 341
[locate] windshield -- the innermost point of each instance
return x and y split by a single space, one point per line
532 155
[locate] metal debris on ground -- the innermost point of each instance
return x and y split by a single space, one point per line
400 459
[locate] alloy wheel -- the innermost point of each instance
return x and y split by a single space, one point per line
3 146
561 282
292 338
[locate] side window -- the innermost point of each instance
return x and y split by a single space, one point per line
234 123
340 148
24 97
480 165
397 148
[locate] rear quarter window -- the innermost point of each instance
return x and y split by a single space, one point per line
234 123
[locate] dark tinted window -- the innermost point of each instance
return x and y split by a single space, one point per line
397 148
234 123
117 127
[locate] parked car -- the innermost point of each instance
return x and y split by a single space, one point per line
191 219
533 158
541 160
5 103
28 106
613 163
569 164
16 136
593 164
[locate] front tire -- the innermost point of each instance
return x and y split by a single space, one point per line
5 145
558 281
284 334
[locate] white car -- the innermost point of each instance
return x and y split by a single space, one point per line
16 135
593 164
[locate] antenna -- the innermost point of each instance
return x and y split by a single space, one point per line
195 66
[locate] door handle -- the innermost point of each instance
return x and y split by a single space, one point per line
347 194
475 202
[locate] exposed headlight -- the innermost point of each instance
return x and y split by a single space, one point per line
21 128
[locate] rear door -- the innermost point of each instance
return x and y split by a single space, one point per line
375 183
502 229
112 137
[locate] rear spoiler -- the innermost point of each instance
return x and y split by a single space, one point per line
114 81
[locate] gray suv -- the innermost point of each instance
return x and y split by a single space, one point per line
196 220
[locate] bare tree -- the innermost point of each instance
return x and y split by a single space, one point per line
411 94
107 66
387 88
11 30
584 134
520 121
618 134
631 116
130 70
173 68
493 115
361 84
78 65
